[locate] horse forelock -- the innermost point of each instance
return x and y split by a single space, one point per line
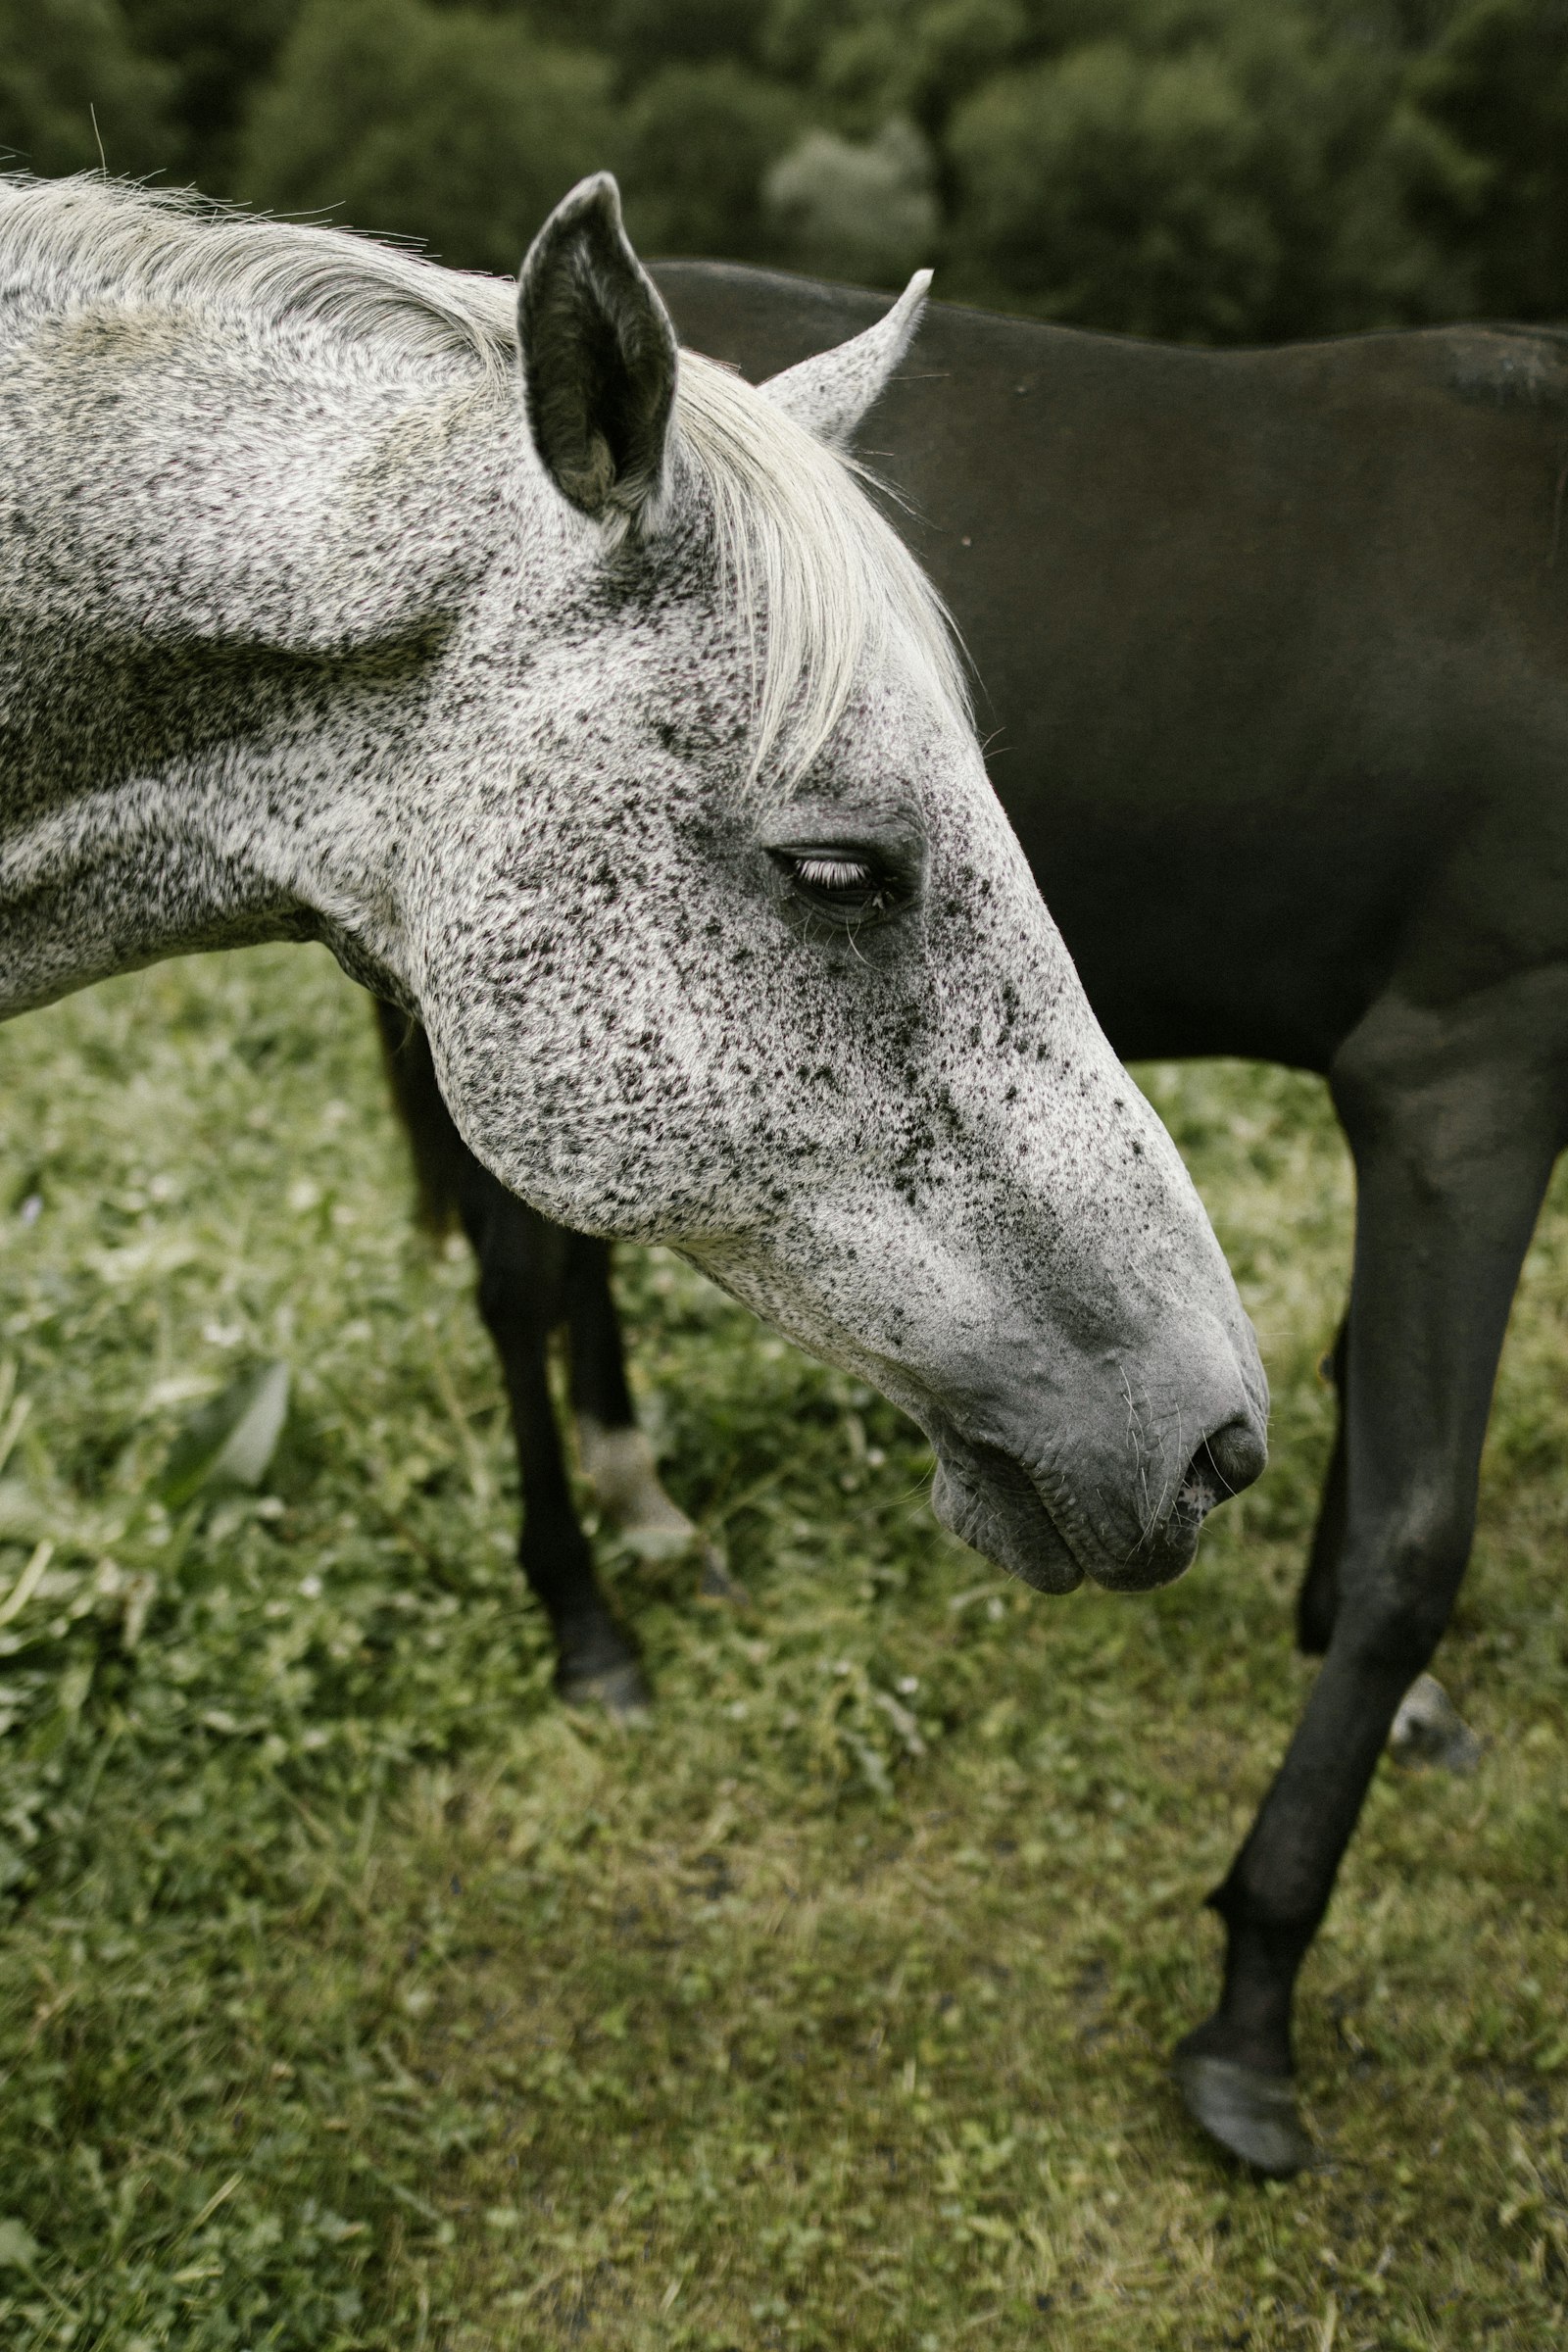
816 577
818 580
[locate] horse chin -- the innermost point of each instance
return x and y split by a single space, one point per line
990 1502
1153 1564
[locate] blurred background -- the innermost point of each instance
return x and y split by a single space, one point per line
1217 171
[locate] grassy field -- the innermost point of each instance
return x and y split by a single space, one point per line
352 1994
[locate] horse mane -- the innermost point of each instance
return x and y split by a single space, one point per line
815 574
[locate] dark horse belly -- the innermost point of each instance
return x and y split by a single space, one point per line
1275 643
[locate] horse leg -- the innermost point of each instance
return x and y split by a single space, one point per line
522 1298
615 1455
1319 1596
1428 1727
522 1295
1454 1127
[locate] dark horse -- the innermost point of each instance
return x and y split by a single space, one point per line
1277 643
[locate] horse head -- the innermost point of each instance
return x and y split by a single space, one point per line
722 940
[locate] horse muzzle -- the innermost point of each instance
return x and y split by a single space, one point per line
1029 1523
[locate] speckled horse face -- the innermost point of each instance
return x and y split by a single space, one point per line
603 720
737 952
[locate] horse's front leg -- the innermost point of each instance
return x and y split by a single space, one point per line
1318 1603
522 1295
524 1291
616 1457
1455 1120
1428 1727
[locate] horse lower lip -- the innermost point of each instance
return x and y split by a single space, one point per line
989 1501
1151 1564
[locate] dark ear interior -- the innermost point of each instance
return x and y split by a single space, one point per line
598 358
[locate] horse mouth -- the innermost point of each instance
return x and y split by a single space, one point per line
988 1499
991 1501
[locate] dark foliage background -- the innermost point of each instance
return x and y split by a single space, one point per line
1220 170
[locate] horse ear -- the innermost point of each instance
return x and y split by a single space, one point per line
830 394
598 358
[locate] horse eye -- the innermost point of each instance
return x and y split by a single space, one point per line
842 882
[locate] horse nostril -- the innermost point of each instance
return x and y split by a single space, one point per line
1222 1465
1232 1457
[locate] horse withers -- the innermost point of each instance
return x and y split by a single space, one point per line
577 697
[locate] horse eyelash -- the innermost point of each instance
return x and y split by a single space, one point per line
832 873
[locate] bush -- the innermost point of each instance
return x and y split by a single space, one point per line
699 143
1264 187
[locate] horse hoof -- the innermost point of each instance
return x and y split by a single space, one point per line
716 1582
1250 2113
621 1690
1429 1728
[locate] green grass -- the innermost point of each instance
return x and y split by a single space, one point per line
354 1995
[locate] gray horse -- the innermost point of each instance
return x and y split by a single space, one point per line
577 697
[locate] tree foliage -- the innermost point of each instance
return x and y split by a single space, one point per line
700 142
456 126
1260 186
213 53
1213 170
1497 83
74 90
857 209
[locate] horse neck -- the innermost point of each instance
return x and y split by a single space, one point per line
223 590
